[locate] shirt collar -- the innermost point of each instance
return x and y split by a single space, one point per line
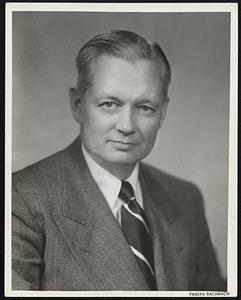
108 183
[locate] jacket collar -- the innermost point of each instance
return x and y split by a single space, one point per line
159 194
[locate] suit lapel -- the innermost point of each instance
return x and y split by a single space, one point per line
91 231
168 236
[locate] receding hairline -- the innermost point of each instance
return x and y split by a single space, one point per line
121 44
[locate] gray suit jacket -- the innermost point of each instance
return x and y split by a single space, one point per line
65 237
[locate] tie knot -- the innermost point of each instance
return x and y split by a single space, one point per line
126 192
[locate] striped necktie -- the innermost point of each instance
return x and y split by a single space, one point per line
135 228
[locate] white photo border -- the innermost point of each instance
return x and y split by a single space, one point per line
232 250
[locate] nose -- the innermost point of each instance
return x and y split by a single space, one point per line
126 121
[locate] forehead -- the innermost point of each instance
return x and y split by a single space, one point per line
118 74
116 66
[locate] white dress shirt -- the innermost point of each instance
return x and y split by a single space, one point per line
110 185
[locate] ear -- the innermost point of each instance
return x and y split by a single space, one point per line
76 104
164 110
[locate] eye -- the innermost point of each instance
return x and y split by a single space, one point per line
146 108
108 105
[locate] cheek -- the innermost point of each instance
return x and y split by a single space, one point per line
149 129
98 124
92 119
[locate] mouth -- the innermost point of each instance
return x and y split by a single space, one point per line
123 145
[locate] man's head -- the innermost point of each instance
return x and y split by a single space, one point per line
121 98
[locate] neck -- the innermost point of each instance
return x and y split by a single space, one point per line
121 171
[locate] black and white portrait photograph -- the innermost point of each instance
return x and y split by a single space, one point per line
121 149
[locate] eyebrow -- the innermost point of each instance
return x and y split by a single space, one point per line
110 97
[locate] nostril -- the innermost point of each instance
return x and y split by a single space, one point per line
126 132
125 128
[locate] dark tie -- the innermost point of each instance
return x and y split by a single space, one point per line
134 226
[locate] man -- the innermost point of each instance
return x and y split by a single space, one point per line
93 217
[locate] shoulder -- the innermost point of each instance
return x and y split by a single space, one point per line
37 189
166 179
42 184
180 192
44 171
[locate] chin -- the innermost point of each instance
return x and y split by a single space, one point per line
124 158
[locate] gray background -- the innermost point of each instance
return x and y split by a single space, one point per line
193 144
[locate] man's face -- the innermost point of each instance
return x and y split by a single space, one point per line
122 111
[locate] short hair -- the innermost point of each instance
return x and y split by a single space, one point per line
122 44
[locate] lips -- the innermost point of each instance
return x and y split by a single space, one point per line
124 143
120 145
